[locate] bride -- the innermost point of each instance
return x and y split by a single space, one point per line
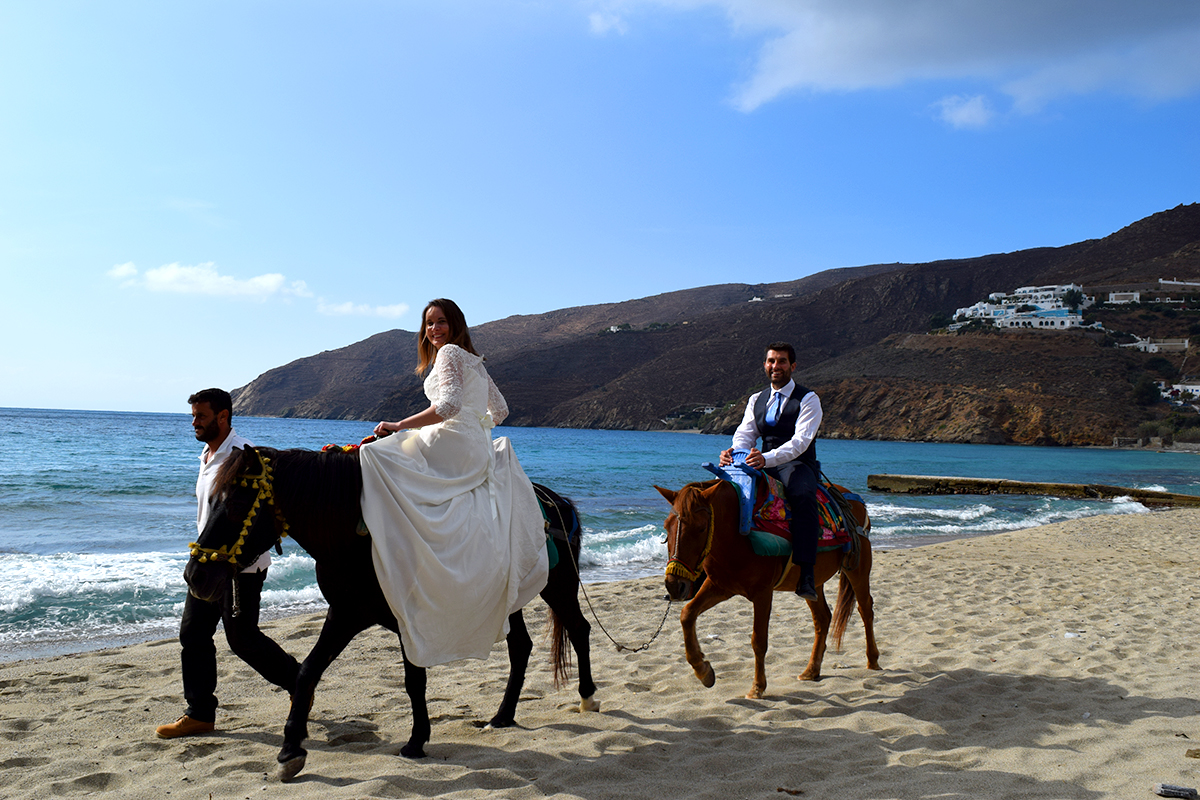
457 537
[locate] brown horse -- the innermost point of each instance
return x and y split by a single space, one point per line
706 551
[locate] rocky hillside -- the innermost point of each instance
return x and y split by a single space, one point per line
860 339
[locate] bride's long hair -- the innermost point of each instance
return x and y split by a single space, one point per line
459 334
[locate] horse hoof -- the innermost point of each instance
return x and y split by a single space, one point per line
413 750
754 694
809 676
589 704
500 722
290 768
709 678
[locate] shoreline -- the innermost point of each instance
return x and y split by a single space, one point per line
42 651
1056 662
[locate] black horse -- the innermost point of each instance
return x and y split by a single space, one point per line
314 497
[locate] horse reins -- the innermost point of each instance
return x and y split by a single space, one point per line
621 648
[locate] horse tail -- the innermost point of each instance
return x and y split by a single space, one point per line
562 516
843 609
560 651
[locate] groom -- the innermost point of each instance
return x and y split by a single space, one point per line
212 413
787 418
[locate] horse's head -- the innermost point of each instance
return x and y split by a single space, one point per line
689 537
242 524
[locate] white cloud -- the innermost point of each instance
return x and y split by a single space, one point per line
602 24
298 289
1032 50
204 279
349 309
965 112
126 270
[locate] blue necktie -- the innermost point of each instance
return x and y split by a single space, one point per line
773 409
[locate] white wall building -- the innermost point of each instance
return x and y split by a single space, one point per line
1042 307
1158 345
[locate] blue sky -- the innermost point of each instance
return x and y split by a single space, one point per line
194 193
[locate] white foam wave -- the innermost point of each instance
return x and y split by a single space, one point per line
24 578
1048 512
885 511
291 565
595 537
294 599
647 550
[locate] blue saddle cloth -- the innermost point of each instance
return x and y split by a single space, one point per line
743 478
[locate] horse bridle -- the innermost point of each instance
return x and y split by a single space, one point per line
264 483
675 566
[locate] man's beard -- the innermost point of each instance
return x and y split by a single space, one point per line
208 433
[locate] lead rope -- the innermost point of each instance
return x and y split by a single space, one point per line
621 648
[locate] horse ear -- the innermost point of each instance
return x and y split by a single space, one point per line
668 494
711 492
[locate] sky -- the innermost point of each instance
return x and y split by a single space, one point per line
194 193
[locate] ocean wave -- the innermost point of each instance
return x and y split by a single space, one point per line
1047 512
593 537
886 511
642 551
47 634
290 565
27 579
294 601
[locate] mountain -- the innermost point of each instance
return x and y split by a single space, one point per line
860 337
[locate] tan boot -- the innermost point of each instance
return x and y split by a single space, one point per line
184 726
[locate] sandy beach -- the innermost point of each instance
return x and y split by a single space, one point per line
1057 662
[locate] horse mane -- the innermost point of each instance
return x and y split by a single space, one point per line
228 472
318 478
689 500
314 477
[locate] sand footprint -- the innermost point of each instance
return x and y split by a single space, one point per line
87 784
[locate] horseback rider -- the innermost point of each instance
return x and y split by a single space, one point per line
787 418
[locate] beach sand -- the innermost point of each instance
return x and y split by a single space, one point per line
1058 662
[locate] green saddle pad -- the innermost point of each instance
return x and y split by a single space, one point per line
768 544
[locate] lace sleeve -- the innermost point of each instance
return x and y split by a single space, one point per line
450 366
496 404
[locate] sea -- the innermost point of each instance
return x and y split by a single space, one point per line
97 508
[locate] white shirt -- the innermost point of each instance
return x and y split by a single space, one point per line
204 485
746 435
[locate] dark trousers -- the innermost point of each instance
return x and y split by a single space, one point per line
800 488
199 655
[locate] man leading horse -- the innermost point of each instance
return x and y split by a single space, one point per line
786 418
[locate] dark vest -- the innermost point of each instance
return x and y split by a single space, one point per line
785 427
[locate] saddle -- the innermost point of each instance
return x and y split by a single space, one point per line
561 519
765 515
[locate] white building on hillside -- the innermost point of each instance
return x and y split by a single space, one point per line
1158 345
1035 307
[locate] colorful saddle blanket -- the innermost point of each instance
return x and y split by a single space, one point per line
765 519
771 516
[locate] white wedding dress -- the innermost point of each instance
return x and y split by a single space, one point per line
457 537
